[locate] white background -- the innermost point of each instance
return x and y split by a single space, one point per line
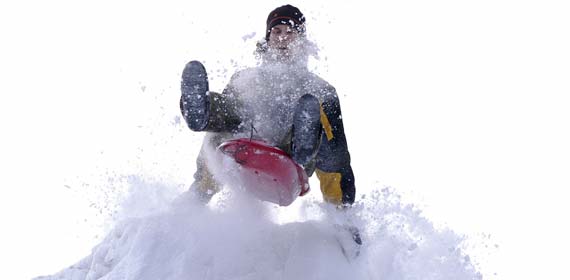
462 106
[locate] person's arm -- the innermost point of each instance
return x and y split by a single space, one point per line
333 159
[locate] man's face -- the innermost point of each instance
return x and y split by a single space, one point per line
282 40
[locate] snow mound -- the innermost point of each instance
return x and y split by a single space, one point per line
240 238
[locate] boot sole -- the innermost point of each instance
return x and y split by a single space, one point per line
195 95
306 130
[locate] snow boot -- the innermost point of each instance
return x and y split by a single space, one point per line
195 102
306 131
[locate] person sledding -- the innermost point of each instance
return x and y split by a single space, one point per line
281 102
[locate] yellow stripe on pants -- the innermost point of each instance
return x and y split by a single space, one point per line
330 186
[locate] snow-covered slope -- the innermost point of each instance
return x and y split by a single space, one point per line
236 237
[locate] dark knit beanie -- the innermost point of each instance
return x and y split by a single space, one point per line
288 15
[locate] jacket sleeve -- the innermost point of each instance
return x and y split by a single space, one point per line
333 159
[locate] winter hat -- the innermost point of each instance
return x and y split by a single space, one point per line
288 15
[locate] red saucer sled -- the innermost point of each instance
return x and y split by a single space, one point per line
266 171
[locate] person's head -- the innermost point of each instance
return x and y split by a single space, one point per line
285 30
285 15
